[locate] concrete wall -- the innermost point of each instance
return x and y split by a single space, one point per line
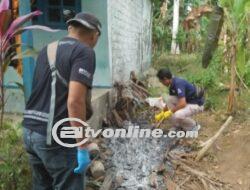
130 36
147 34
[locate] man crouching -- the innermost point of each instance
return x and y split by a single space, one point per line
184 101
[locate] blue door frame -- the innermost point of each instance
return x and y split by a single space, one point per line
28 63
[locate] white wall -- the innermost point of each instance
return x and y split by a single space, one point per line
130 30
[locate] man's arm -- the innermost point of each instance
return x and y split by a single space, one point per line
81 78
181 94
181 104
77 103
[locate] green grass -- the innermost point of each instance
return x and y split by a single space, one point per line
156 91
177 63
14 168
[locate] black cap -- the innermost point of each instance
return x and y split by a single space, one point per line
88 20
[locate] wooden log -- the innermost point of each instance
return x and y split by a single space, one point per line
97 169
118 119
107 182
136 87
139 87
211 141
137 93
135 80
139 97
127 93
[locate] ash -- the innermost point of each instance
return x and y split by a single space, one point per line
134 159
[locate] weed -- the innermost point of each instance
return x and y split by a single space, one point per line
14 168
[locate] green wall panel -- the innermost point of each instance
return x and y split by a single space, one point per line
103 75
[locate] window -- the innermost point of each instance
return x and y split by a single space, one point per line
53 11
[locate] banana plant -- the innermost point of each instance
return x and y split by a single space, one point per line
236 22
8 30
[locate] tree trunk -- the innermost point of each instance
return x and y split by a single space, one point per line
175 46
164 9
231 97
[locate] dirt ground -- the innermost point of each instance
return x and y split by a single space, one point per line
229 158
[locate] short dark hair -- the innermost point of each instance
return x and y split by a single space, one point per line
164 73
87 20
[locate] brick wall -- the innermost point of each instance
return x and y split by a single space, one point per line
129 36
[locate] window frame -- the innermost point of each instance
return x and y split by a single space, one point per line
44 6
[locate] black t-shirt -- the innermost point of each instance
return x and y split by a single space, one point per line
75 62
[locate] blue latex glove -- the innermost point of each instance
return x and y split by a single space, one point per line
83 160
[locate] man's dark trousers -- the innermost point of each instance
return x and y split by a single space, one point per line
52 166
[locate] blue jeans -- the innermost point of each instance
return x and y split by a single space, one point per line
52 166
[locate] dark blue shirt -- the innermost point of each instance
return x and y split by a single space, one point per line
182 88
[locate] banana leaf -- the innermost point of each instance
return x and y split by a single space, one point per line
214 30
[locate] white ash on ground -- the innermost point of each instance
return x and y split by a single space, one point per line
134 159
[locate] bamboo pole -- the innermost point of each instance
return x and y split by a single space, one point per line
211 141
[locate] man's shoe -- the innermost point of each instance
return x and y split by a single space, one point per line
196 127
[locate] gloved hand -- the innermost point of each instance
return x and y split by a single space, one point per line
159 116
163 115
83 160
167 114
